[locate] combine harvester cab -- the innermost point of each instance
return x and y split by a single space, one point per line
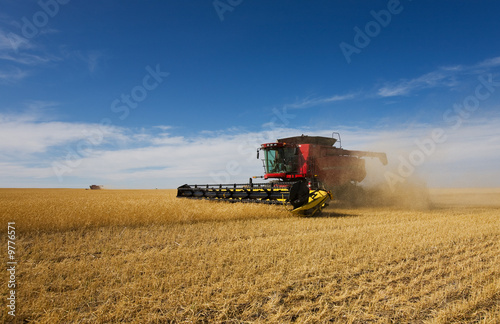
303 170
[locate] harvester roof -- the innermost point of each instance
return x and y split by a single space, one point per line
305 139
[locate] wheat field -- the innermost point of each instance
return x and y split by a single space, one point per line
107 256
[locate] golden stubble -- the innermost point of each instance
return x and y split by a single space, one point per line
145 256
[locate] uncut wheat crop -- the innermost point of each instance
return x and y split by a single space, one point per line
107 256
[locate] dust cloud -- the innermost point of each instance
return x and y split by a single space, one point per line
424 161
410 195
377 190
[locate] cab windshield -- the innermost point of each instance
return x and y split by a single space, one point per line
280 160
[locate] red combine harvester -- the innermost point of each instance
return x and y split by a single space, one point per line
304 170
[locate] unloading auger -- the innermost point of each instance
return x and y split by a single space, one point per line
304 172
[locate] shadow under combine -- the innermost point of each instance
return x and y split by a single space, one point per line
329 212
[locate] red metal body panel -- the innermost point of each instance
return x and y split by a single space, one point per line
283 176
331 167
337 170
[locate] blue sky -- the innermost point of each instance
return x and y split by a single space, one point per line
154 94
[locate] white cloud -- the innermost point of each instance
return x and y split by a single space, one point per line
163 127
21 172
465 153
27 134
429 80
91 58
12 42
489 63
23 54
151 158
446 76
27 58
19 53
312 102
12 74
